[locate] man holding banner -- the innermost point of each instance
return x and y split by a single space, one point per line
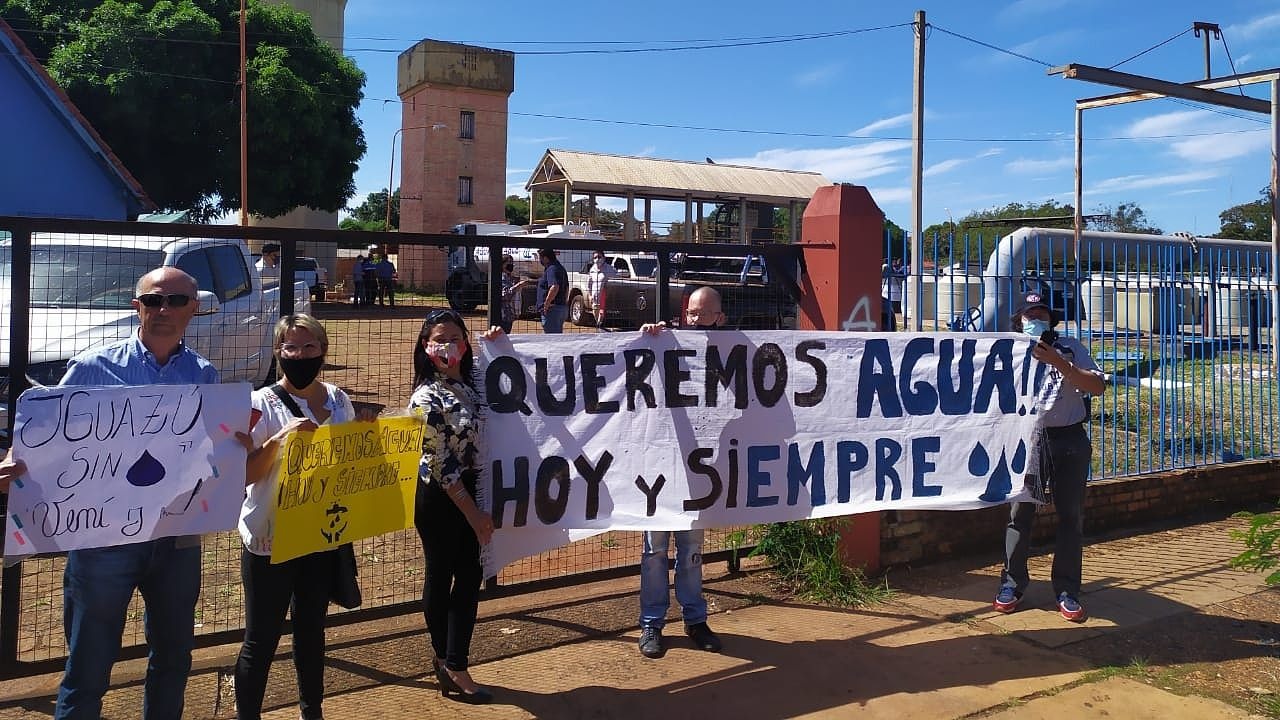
703 312
98 583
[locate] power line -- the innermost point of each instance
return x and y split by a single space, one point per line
1223 37
990 46
1153 47
707 44
705 128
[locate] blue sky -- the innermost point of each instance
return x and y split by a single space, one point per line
997 128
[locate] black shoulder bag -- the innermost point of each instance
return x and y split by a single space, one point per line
344 585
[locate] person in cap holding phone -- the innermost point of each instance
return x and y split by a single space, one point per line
1061 450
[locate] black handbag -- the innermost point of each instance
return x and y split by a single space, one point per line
344 580
344 587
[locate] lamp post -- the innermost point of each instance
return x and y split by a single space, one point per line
392 178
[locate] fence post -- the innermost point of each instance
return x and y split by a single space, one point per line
19 346
842 243
288 264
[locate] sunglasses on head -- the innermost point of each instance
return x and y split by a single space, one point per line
435 317
155 300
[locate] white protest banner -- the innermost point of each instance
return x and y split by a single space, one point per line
697 429
116 465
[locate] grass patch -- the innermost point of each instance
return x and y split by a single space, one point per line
807 561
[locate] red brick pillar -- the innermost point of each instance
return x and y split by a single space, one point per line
843 241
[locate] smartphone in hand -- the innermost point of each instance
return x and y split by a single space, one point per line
1048 337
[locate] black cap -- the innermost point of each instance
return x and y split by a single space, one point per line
1035 300
547 253
270 248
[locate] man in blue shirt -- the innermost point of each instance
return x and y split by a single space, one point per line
98 583
553 292
386 281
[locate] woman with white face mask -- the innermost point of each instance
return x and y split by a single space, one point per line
450 524
1061 453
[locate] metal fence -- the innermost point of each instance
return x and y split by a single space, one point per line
1183 327
79 279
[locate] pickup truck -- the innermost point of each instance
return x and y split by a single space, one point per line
81 288
752 300
467 285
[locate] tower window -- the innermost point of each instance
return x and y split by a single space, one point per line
467 125
464 190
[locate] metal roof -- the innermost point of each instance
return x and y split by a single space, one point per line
589 173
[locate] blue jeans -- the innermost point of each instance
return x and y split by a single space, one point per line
97 586
553 319
654 597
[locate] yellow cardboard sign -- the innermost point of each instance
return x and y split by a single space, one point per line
341 483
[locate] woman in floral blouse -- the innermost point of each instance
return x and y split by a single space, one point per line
450 524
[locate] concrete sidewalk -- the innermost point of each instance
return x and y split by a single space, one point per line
935 651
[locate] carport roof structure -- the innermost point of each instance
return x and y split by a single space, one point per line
589 173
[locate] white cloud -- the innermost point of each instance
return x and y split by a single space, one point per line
1259 27
646 151
818 75
853 163
1189 191
1212 137
519 171
1244 60
890 195
890 122
944 166
1028 166
1126 183
953 163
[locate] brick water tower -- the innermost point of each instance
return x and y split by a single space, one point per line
453 146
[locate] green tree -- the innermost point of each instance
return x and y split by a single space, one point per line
1125 217
372 213
1248 221
158 80
517 210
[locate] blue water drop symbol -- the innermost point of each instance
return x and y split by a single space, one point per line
1000 484
147 471
979 462
1019 458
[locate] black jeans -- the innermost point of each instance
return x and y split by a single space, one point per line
451 590
1069 455
269 591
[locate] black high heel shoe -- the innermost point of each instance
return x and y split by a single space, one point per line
448 685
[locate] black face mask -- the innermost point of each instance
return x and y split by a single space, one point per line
508 268
301 372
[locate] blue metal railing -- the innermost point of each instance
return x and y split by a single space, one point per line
1183 332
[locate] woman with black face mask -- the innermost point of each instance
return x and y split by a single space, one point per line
299 402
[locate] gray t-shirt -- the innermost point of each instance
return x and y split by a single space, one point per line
1060 402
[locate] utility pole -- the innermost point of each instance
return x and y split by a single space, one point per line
917 169
244 125
1208 29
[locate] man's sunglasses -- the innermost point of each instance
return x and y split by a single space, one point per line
155 300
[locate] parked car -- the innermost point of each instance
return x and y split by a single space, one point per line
307 270
752 300
82 288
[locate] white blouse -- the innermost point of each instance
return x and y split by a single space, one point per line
257 515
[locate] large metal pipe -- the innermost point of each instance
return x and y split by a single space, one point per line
1005 267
